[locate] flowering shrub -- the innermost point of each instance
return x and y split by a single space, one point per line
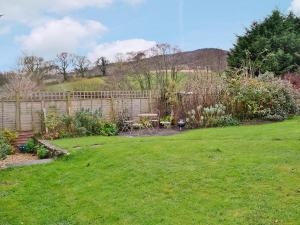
260 98
212 116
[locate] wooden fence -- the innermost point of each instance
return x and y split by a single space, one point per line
24 113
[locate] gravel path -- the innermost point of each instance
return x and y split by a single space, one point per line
17 158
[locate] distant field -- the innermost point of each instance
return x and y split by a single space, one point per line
83 84
98 83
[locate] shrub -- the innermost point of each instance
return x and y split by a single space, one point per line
227 120
206 116
53 125
121 120
83 123
260 98
42 152
30 145
5 148
108 129
10 136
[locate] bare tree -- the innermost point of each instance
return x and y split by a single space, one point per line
35 67
120 70
140 69
101 64
19 84
166 60
63 62
81 64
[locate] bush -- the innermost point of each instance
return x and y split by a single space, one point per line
53 125
42 152
227 120
207 117
30 146
83 123
10 136
121 120
5 148
108 129
260 98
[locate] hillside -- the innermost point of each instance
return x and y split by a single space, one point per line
211 58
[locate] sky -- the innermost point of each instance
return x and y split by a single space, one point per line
107 27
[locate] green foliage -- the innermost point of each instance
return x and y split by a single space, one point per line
212 116
272 45
10 136
82 123
42 152
108 129
53 123
30 145
5 148
226 120
121 119
260 98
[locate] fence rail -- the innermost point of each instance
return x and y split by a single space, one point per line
83 95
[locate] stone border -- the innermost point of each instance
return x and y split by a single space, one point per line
54 150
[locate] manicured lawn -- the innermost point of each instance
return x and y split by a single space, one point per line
239 175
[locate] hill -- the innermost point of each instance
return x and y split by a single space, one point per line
211 58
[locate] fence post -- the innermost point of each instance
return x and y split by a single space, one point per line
68 103
150 101
112 108
2 113
18 112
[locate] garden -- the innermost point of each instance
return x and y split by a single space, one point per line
234 175
212 148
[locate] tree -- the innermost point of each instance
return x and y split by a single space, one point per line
81 64
101 64
21 84
140 69
63 62
35 67
272 45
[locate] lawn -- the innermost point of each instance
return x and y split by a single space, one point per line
237 175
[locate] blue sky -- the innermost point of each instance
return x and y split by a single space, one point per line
106 27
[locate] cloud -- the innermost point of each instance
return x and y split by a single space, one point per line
295 7
110 50
65 35
28 11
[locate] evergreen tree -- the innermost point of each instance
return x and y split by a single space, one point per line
272 45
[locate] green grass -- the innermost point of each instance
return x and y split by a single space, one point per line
101 83
79 84
236 175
